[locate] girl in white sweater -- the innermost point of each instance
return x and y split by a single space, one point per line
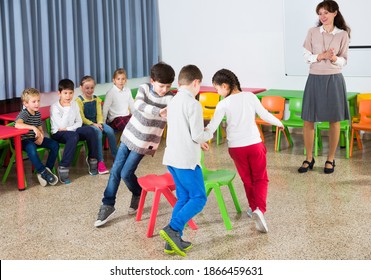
244 143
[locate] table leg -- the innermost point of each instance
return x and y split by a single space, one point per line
19 162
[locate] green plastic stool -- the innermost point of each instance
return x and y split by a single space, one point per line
214 179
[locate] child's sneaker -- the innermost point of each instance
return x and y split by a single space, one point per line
249 212
93 165
42 181
49 176
105 212
134 204
260 223
102 169
63 174
185 244
172 237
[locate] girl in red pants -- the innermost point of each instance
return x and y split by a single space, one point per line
244 143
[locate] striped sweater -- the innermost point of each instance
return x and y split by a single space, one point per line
143 132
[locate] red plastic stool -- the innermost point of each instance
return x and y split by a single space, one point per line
159 184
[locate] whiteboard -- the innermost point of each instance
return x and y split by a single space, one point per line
300 15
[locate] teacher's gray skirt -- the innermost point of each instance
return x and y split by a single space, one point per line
325 99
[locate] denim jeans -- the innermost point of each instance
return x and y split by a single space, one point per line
110 133
70 139
191 194
30 148
124 166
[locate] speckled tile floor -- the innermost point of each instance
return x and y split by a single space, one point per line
310 216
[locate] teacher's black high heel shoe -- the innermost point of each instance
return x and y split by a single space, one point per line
304 169
329 170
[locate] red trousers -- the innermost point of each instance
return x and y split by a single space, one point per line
251 164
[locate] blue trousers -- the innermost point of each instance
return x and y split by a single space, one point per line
70 139
124 167
31 149
191 194
110 133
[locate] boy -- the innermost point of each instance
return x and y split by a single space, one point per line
141 137
66 128
185 135
30 118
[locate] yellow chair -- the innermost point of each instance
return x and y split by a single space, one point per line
276 106
208 101
361 96
363 124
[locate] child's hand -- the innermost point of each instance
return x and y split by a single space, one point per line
39 139
98 125
205 146
163 112
37 132
281 127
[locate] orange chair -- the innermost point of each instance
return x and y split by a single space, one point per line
159 184
361 96
276 106
208 101
363 124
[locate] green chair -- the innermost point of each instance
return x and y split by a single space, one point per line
4 148
40 151
80 144
214 179
294 120
344 130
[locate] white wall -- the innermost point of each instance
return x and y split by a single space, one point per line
244 36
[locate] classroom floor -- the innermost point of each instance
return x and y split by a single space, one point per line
310 216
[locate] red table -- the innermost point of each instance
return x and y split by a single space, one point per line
9 132
212 89
10 117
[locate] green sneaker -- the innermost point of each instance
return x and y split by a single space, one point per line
172 237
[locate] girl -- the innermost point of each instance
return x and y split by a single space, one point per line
244 143
325 100
118 101
91 114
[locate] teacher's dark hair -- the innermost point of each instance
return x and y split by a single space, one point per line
332 7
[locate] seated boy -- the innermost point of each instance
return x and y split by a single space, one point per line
66 128
30 118
141 137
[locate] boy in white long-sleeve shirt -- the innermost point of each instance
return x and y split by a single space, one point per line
66 128
185 137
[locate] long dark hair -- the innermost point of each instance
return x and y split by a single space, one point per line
332 7
225 76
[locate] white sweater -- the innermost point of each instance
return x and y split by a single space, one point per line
65 117
117 104
240 110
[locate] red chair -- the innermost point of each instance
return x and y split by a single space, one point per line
159 184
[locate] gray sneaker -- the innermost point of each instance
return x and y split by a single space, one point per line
185 244
105 213
134 205
260 223
63 174
172 237
93 165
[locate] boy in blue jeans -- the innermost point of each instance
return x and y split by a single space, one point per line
141 137
185 138
66 124
30 118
